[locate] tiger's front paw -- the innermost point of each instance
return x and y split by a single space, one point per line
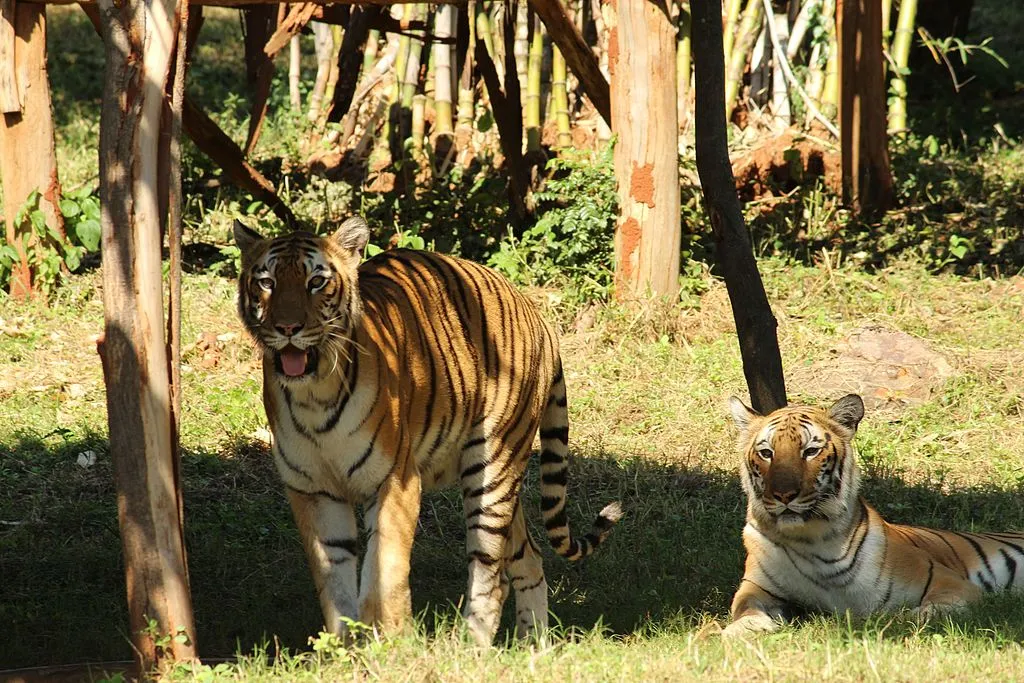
750 625
931 610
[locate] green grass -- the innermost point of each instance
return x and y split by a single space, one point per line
649 428
647 394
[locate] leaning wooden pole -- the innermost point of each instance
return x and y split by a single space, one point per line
578 55
642 60
139 37
755 323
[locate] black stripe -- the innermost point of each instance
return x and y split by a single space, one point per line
928 583
549 457
493 530
475 468
1011 566
548 502
366 455
560 433
474 442
482 558
322 494
559 478
350 378
291 465
518 555
349 545
981 553
556 521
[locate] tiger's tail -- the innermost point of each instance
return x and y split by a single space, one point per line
554 470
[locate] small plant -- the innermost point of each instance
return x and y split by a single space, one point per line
48 253
572 242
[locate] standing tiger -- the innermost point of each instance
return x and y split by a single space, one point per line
813 542
409 372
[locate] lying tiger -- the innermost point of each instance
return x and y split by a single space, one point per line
409 372
813 542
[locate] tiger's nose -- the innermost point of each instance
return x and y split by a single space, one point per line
289 329
784 497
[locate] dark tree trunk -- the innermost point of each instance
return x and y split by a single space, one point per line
755 323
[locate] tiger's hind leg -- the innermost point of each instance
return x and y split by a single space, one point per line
491 476
525 570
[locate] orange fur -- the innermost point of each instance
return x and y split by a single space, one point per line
813 542
409 372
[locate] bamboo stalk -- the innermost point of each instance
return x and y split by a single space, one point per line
886 18
799 30
521 47
294 62
323 41
418 128
684 57
465 112
444 28
900 55
780 94
332 76
729 32
830 91
499 17
372 47
560 99
533 85
748 32
815 78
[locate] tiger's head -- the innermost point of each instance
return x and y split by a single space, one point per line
297 294
799 471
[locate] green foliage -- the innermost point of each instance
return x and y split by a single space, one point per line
571 245
48 252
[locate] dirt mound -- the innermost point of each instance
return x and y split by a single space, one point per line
888 368
781 163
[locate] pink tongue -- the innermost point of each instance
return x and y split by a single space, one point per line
293 361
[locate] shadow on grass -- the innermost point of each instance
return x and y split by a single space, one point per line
675 556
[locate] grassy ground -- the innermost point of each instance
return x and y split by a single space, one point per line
650 428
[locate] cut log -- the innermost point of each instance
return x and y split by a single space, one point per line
30 127
642 61
867 174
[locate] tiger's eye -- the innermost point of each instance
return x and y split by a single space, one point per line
316 282
766 453
266 283
811 451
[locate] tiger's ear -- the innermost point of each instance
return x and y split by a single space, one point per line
741 414
352 235
848 411
245 237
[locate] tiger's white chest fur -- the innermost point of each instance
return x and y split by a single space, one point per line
845 575
329 441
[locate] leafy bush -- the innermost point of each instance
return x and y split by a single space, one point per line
49 253
571 245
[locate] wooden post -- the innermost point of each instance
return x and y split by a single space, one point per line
28 160
867 175
642 60
139 36
755 324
